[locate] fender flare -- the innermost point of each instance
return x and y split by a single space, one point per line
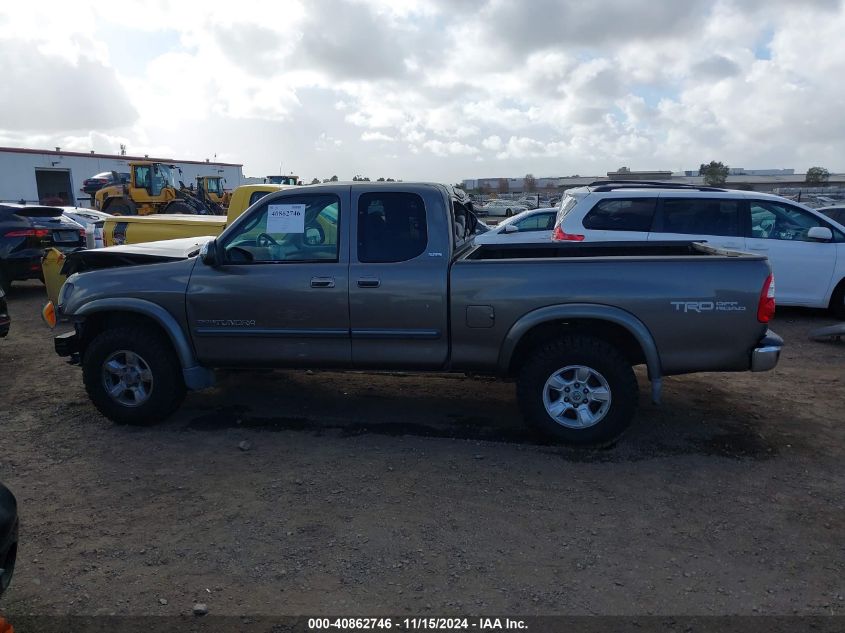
196 376
598 312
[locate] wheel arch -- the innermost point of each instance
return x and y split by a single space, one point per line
103 313
608 323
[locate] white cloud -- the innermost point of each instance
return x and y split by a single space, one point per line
469 88
376 136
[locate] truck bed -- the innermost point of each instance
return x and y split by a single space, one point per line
667 249
699 303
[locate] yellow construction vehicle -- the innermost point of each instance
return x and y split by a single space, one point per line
151 189
282 180
211 189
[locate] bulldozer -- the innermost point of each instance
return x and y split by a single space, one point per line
210 191
151 189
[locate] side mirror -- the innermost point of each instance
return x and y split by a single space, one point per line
820 233
210 254
510 228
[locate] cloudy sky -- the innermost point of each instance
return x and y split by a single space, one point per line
431 89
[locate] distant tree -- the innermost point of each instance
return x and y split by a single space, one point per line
380 179
503 185
333 179
817 176
316 181
529 183
623 170
390 180
714 173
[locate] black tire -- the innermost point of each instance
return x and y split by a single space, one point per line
601 358
837 301
179 207
118 207
508 213
166 390
7 560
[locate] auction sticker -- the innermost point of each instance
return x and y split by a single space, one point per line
286 218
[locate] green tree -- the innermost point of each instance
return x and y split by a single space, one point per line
380 179
529 183
714 173
623 170
333 179
817 176
316 181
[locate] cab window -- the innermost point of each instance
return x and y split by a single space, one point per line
292 229
391 227
142 176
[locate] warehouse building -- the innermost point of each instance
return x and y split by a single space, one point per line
35 175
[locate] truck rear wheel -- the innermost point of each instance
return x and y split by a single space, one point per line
579 390
132 375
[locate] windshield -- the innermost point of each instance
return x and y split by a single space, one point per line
166 174
214 185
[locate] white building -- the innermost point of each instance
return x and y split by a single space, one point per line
33 175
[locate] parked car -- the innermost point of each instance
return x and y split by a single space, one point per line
93 184
526 227
92 221
805 247
372 276
528 203
505 208
25 231
5 320
837 214
8 536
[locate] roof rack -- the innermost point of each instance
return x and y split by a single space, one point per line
610 185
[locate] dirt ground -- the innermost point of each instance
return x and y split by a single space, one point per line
373 494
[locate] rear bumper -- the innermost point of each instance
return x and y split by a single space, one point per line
767 353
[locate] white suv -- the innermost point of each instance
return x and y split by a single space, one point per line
805 248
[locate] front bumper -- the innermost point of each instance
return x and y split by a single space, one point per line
67 344
767 353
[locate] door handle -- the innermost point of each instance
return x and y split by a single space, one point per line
322 282
369 283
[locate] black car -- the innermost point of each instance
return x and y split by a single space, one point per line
93 184
5 320
8 536
25 231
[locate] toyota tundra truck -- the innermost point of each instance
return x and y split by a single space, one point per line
372 276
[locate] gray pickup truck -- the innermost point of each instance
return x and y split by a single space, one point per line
388 277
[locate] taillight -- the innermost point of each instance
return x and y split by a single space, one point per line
766 306
560 236
39 233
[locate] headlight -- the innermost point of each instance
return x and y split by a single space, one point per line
65 292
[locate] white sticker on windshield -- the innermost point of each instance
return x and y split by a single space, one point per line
286 218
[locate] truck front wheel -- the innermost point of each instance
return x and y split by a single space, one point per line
579 390
132 375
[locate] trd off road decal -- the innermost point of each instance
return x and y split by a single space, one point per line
707 306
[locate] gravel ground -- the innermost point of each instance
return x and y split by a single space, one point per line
389 493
